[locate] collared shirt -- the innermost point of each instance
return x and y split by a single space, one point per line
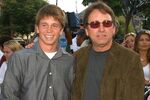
31 75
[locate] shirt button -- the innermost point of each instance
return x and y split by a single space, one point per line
50 87
50 73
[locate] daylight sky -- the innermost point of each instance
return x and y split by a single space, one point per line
69 5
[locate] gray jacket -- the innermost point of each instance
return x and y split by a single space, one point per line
31 75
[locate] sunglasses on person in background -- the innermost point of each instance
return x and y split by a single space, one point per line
96 24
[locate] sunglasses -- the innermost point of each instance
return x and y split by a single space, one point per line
96 24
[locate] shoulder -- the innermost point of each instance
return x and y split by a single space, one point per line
125 57
82 51
63 55
67 55
24 52
120 50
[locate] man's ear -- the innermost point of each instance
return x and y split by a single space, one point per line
36 29
86 32
116 28
61 31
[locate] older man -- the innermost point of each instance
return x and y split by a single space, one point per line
105 70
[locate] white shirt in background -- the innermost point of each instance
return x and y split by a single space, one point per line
3 69
74 46
146 70
1 54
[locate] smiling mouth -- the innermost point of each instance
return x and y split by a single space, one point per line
49 36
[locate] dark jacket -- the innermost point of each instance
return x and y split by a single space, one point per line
122 78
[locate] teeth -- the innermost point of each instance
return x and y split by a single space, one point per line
49 36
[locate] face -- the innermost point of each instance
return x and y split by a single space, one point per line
7 52
129 41
49 30
144 42
101 36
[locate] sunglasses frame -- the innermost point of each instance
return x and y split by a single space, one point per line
96 24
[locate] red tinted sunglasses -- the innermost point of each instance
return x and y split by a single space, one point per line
96 24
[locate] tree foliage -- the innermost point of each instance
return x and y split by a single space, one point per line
127 8
146 22
18 16
133 7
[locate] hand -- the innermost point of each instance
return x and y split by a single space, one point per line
30 45
124 43
147 83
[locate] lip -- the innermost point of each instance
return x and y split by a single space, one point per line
145 46
100 35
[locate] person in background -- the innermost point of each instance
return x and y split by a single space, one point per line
1 53
129 40
82 39
45 71
74 47
9 47
3 39
142 46
63 41
105 70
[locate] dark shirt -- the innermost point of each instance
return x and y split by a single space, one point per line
95 66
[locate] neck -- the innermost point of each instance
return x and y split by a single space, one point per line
143 57
49 48
102 48
143 54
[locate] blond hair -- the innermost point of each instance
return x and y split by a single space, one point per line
13 45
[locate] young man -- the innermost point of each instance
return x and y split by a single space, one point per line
105 70
44 72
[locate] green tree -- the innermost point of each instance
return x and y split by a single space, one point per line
133 7
127 8
86 2
18 16
146 22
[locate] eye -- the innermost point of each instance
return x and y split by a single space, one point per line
94 24
55 25
44 25
107 23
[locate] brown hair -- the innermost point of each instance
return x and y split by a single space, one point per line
51 10
145 32
101 7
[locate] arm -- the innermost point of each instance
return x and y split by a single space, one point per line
135 81
12 81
